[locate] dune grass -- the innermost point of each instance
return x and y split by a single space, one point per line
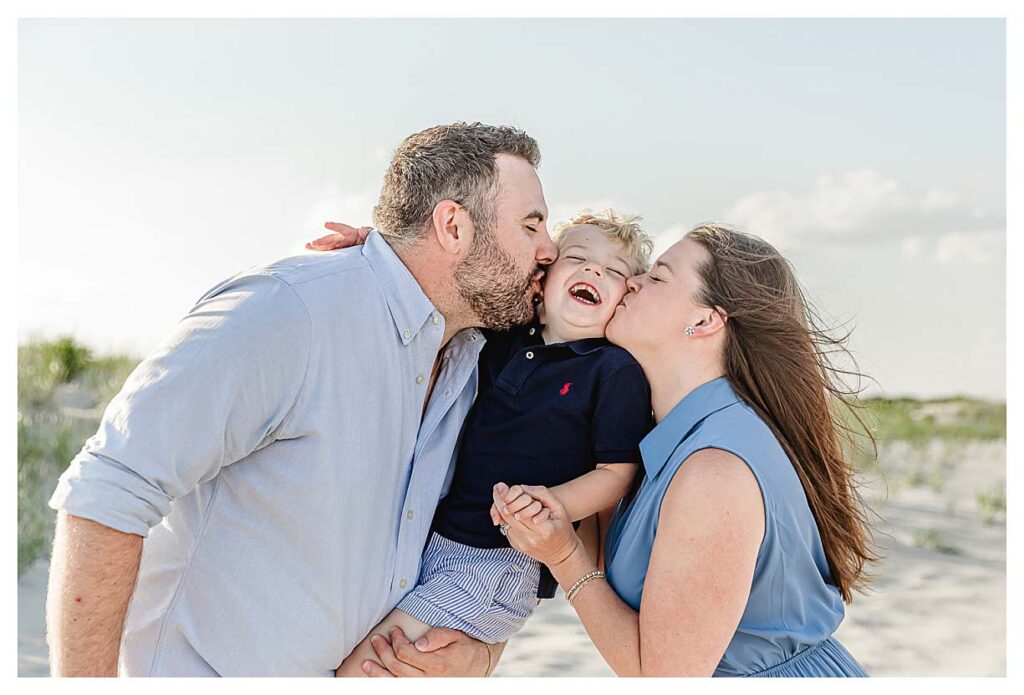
957 418
63 387
49 434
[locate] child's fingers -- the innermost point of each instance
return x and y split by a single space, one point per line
499 503
529 511
519 503
513 492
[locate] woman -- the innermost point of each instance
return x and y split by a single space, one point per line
737 549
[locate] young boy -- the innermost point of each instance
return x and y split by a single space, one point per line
557 406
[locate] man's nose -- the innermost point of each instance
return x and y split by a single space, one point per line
547 252
633 283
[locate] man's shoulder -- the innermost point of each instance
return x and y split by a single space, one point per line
325 280
312 267
303 285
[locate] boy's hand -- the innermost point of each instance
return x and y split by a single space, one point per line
519 504
549 538
342 236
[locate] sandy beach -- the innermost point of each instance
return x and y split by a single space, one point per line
938 605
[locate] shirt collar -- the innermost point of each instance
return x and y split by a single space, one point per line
410 308
659 445
583 346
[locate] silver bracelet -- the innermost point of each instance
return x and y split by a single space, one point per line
582 582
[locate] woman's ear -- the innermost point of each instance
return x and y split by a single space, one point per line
721 314
711 321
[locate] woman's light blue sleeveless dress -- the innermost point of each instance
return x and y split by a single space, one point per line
786 628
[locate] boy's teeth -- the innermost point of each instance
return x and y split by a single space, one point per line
585 293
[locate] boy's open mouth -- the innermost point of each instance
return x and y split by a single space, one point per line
585 293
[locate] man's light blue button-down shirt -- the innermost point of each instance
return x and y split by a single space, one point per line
272 450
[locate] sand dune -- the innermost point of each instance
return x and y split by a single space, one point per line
938 607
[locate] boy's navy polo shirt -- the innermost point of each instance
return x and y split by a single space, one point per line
544 415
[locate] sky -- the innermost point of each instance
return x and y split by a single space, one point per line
157 157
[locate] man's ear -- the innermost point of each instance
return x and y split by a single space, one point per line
452 227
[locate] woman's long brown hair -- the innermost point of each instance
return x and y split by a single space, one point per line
779 358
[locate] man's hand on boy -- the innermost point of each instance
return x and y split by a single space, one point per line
440 652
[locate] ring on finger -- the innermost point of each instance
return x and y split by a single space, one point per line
504 529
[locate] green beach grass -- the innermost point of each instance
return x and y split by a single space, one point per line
63 388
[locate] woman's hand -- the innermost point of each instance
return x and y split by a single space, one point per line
545 534
342 236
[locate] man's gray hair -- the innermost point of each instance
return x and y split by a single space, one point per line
446 162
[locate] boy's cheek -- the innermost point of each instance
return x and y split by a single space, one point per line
617 295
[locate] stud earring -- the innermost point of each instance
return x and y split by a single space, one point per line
690 330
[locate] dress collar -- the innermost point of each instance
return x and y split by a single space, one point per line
659 445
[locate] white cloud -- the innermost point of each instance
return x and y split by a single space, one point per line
912 246
936 199
849 206
979 248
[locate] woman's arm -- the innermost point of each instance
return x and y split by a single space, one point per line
709 532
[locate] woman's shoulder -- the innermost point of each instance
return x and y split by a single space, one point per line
742 432
718 478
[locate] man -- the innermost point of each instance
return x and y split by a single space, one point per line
285 448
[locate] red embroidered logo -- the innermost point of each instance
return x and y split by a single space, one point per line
565 389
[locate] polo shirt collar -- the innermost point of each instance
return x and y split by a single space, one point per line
410 308
659 445
584 346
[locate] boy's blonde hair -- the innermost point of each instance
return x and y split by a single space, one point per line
623 228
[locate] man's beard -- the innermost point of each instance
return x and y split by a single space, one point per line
488 280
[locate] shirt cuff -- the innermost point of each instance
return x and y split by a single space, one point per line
100 489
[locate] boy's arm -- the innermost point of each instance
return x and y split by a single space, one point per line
599 489
584 496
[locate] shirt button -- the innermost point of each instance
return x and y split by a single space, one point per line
407 335
448 392
419 379
401 584
408 515
436 320
532 331
529 355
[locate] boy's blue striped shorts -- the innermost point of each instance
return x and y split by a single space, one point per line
488 593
